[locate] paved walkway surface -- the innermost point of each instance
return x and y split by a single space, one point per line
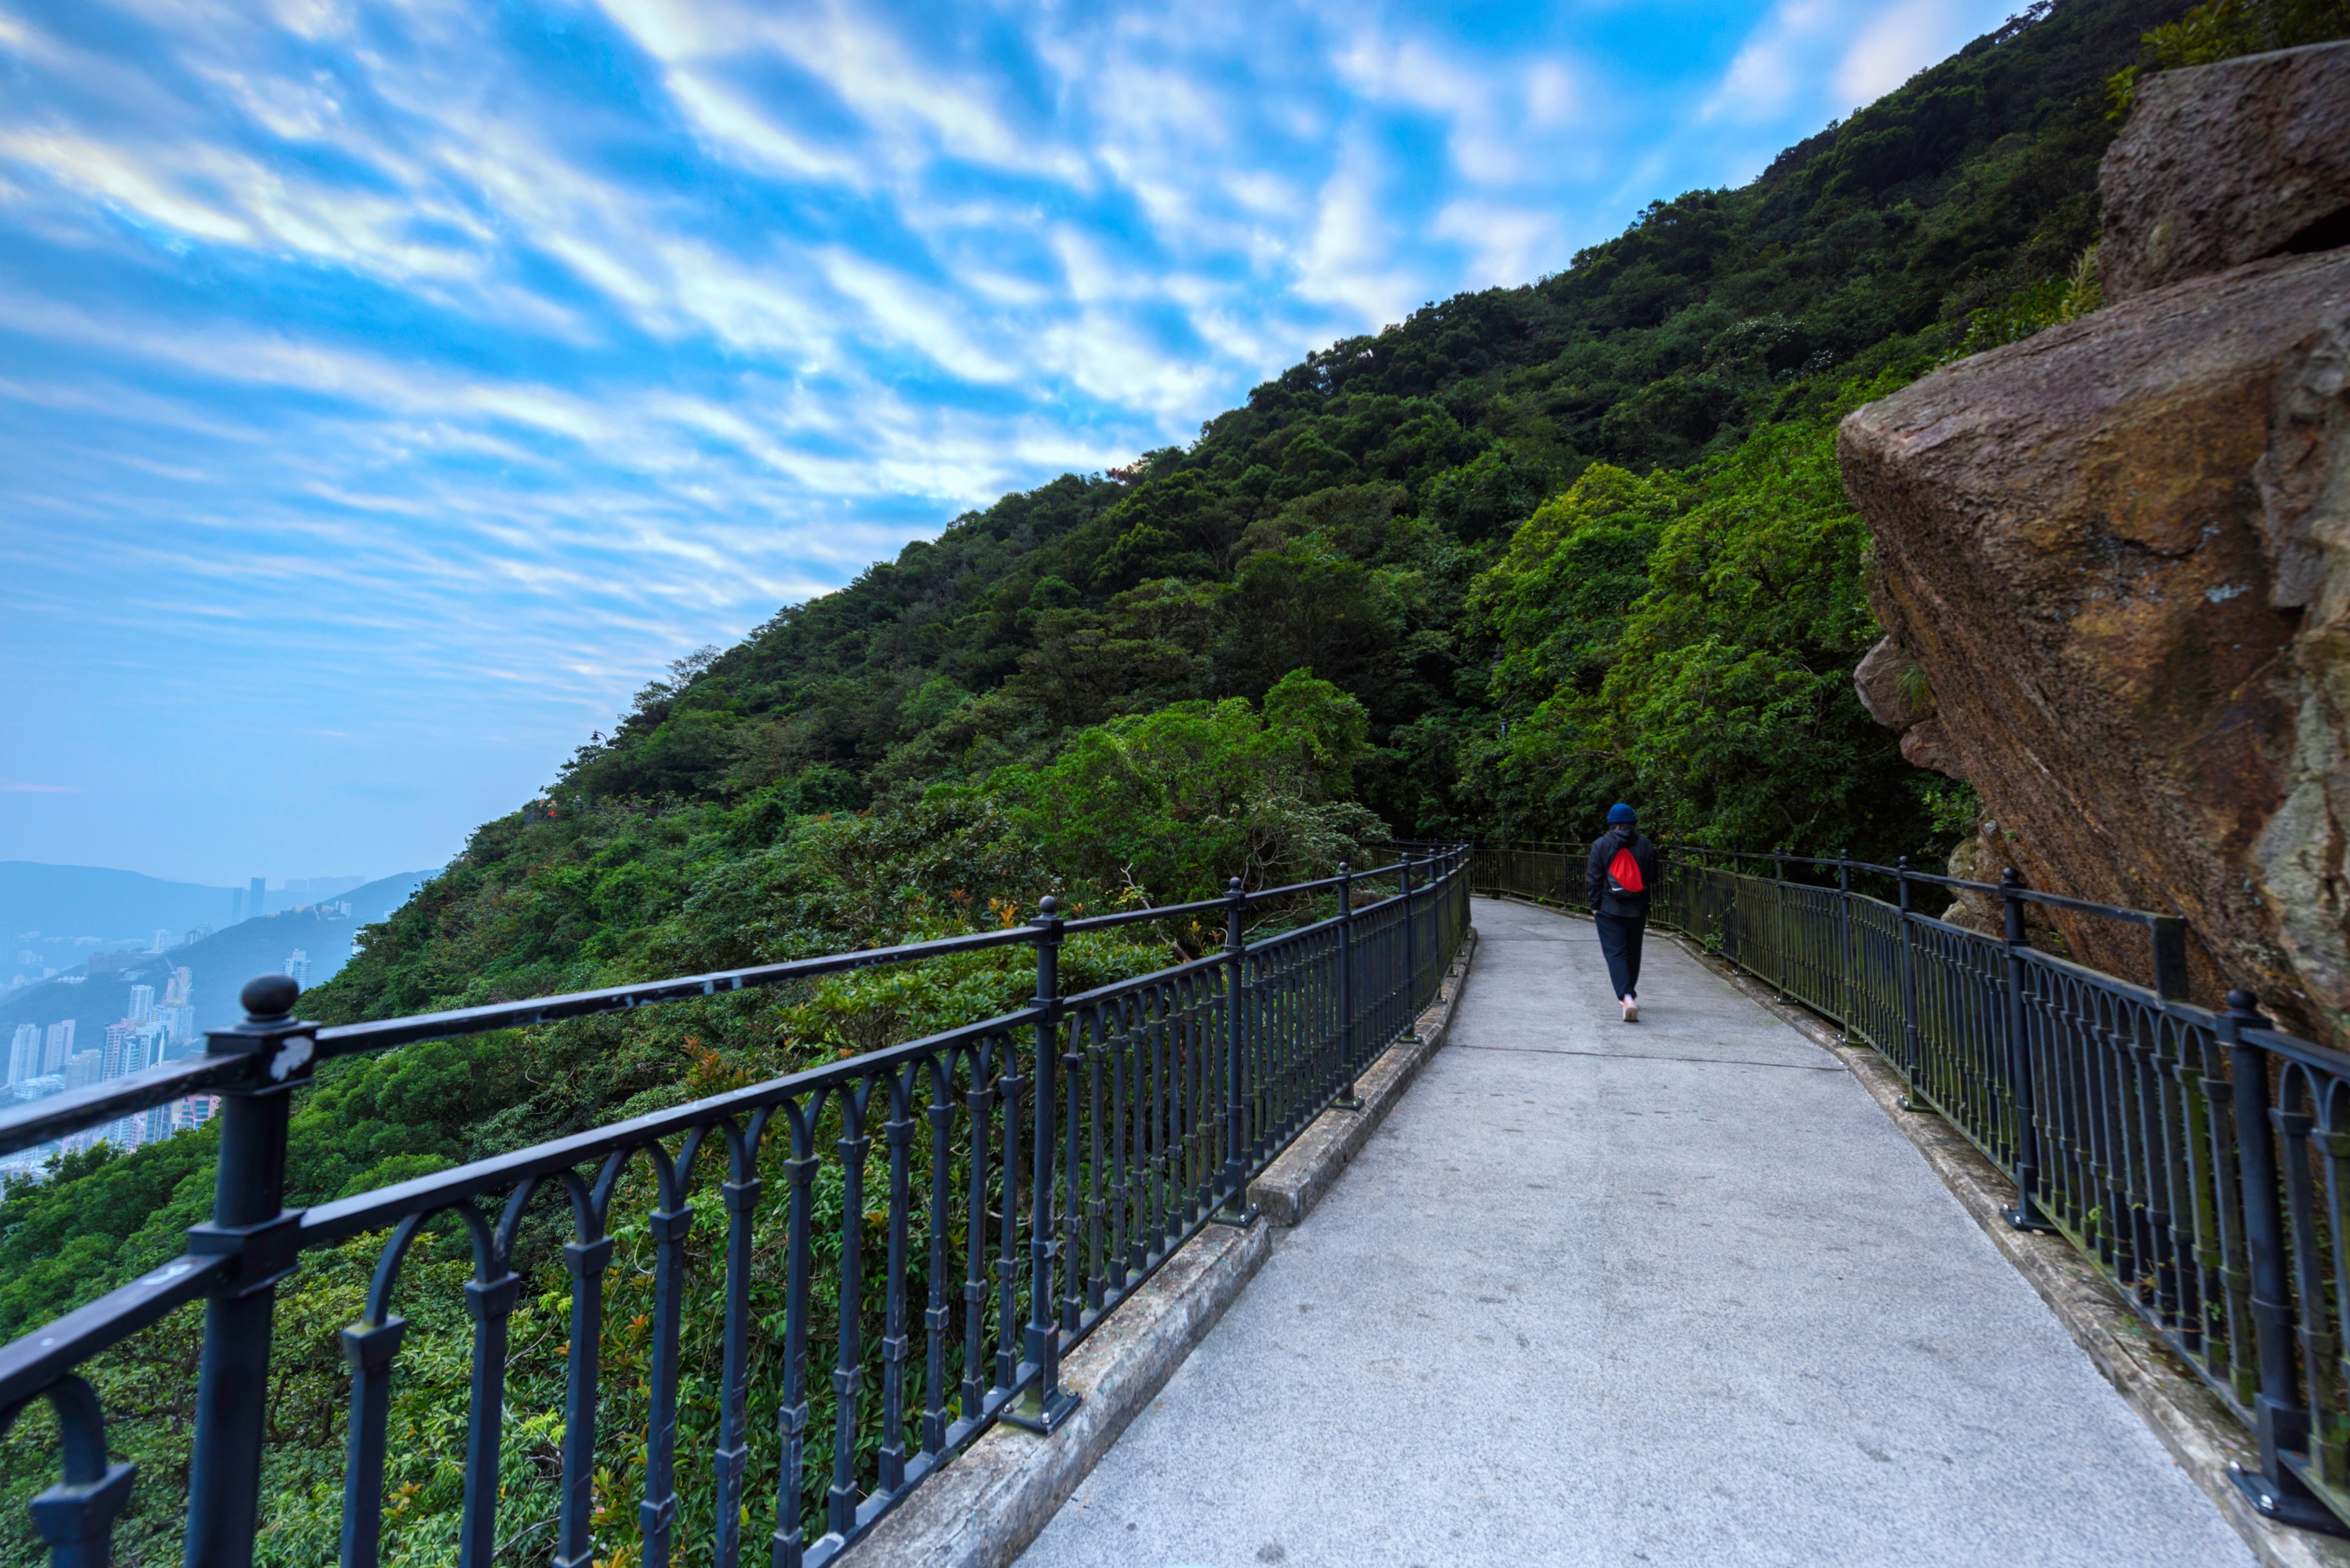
1674 1293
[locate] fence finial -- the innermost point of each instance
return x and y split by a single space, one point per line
269 999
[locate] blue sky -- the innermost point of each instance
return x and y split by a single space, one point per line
388 391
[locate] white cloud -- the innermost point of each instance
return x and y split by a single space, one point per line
1346 260
1769 70
1510 244
916 315
1836 56
1896 45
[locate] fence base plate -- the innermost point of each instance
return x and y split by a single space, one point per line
2287 1506
1239 1219
2019 1218
1043 1419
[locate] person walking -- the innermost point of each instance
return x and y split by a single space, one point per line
1622 870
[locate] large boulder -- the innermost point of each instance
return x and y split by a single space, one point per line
1891 687
2225 164
2120 554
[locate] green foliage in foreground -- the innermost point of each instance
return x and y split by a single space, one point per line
372 1120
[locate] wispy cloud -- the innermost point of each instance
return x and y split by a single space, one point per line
1831 57
380 378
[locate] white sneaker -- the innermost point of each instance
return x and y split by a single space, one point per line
1631 1009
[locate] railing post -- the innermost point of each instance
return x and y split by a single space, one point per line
1909 1064
1046 1404
1411 954
2026 1214
1779 939
249 1221
2280 1420
1236 1209
2170 933
1348 1100
1844 937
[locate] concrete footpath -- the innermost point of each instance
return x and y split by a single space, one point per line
1674 1293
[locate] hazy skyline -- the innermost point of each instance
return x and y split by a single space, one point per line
387 391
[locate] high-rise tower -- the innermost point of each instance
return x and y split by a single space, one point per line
25 1053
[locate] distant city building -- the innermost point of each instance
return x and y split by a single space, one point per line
25 1053
147 1045
39 1088
257 898
85 1068
318 889
163 941
142 1004
113 1059
58 1047
297 964
178 1009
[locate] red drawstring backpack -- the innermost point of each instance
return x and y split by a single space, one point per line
1625 872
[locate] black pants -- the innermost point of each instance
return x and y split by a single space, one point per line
1619 941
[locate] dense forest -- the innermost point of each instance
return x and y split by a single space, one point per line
1530 551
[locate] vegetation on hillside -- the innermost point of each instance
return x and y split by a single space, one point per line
1527 552
2224 29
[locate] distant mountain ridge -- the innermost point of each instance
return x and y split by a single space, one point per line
99 901
221 962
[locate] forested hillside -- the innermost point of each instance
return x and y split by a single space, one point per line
1678 629
1530 551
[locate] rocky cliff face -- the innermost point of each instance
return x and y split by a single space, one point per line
2117 556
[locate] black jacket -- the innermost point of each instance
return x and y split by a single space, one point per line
1606 898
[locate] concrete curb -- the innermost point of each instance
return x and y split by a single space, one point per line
1295 1182
2203 1435
990 1502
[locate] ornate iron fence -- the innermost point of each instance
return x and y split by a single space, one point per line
1030 1172
2201 1161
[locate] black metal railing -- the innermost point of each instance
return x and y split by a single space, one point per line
2201 1161
1031 1171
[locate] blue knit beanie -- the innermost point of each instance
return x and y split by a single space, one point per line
1619 812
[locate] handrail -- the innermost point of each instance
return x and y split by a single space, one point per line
2168 932
1032 1170
45 1121
2140 1126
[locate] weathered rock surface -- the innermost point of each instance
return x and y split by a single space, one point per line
1882 681
2120 551
2225 164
